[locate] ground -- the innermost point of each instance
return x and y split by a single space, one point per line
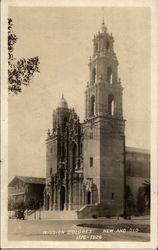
50 230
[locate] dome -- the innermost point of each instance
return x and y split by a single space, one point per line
62 103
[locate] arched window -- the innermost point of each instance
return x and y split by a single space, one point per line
92 104
88 197
47 202
107 46
111 105
62 197
109 75
93 75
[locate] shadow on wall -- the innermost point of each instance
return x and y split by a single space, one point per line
107 209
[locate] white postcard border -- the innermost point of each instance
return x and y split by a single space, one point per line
4 125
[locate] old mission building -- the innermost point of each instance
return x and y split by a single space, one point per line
86 163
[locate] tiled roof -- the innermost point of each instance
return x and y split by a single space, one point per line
27 179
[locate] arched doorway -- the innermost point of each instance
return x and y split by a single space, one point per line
62 197
88 197
95 194
47 202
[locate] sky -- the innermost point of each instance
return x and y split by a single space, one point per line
62 39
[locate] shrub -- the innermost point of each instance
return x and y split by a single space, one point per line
141 201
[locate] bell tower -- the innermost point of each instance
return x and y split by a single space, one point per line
104 91
103 128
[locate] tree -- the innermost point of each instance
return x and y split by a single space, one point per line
20 205
130 205
141 201
146 188
32 203
21 71
11 204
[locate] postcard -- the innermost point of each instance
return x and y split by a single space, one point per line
79 124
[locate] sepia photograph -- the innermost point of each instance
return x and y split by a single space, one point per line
79 165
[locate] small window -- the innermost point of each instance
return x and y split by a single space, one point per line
91 161
91 135
50 171
112 196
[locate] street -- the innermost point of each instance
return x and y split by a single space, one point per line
67 230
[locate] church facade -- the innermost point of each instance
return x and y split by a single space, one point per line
85 162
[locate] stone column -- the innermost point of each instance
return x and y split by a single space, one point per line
96 100
70 196
54 198
86 104
66 196
50 200
80 192
98 104
83 195
44 202
58 197
91 196
89 104
76 166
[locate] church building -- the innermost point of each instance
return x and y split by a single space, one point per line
86 162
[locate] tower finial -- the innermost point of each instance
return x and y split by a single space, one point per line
102 15
103 21
62 96
103 28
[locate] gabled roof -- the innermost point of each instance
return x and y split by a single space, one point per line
26 179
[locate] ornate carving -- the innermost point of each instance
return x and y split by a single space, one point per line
88 183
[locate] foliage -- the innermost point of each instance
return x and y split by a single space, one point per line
20 205
21 71
141 201
11 204
33 203
146 188
130 205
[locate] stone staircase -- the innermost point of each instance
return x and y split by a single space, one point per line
53 215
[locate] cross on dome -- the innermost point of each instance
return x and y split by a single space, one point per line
103 27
